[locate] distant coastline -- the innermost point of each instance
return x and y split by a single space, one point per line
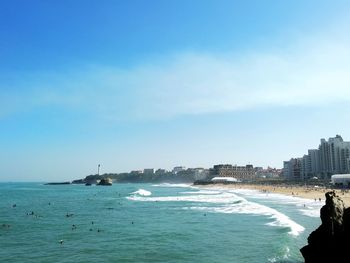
138 178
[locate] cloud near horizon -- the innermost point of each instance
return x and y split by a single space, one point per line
312 73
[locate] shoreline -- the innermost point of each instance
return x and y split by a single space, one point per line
312 193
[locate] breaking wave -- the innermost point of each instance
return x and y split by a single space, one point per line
229 203
246 207
203 192
142 192
282 258
306 207
174 185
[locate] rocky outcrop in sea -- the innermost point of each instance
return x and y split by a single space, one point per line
105 181
330 241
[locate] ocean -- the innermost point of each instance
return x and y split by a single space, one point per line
151 223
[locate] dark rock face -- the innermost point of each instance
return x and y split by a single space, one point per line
329 242
105 181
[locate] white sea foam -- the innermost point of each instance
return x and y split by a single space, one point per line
230 203
142 192
246 207
307 207
223 198
279 258
273 197
203 192
310 212
174 185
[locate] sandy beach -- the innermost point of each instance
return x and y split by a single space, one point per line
313 193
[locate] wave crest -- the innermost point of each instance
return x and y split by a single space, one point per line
142 192
226 202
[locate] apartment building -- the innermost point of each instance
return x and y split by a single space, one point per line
331 157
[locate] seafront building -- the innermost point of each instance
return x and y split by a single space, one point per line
136 172
292 168
160 171
177 169
242 173
331 157
148 171
269 172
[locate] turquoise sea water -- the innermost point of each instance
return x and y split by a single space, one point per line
150 223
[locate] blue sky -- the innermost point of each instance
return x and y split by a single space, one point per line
150 84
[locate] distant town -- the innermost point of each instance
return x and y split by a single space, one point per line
332 157
181 174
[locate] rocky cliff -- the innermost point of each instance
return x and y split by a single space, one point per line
329 242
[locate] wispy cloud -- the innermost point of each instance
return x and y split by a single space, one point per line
312 72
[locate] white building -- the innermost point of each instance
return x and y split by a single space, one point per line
331 157
341 180
313 161
224 180
334 156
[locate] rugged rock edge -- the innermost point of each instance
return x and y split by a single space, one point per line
330 241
